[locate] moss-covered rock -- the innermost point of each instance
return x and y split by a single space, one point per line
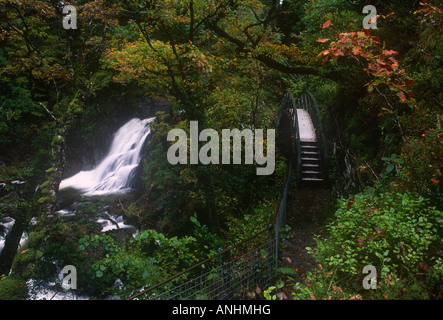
26 261
13 288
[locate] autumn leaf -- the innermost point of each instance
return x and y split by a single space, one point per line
338 53
372 19
389 52
356 50
322 40
350 202
402 97
281 295
326 24
257 289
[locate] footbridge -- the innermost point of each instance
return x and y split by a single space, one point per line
302 139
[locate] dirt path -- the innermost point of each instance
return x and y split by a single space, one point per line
305 211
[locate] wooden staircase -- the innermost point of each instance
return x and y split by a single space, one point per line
311 168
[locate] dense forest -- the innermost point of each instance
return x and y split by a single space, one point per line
71 78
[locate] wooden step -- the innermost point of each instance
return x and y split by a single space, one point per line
308 144
308 147
310 160
309 166
312 174
312 179
309 153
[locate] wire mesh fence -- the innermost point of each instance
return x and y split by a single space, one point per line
230 280
237 269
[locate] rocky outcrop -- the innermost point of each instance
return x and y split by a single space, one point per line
149 107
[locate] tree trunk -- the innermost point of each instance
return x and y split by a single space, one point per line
56 171
12 242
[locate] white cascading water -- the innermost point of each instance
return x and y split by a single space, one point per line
114 173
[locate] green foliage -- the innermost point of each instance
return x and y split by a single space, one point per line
244 227
397 233
271 293
391 162
392 232
321 285
26 260
13 288
18 171
286 271
87 210
210 242
319 11
421 164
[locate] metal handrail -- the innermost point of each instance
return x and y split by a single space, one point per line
314 112
289 104
298 144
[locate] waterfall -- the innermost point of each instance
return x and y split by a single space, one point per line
114 173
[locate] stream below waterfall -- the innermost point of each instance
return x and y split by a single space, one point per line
101 187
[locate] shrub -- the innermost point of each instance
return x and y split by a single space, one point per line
399 234
421 162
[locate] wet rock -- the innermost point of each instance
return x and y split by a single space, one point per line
120 235
149 107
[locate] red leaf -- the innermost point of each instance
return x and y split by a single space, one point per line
251 294
356 50
350 202
322 40
282 295
402 97
389 52
326 24
257 289
424 266
338 53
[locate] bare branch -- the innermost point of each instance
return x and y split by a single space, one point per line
47 110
